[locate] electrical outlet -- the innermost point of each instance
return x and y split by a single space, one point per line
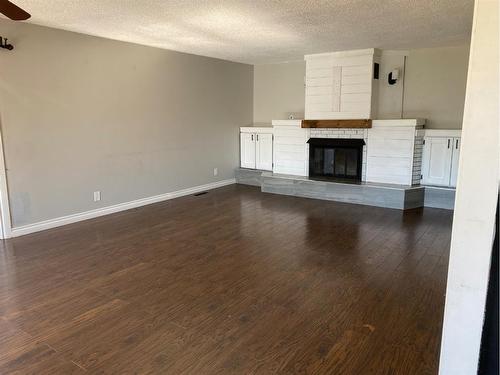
216 171
97 196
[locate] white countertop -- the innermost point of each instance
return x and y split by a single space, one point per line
259 125
443 132
257 128
414 122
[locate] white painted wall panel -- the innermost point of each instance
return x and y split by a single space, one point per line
290 148
320 81
356 88
392 134
288 140
344 82
290 155
289 132
362 98
363 70
319 99
359 60
396 148
383 161
354 80
284 148
320 63
289 164
398 175
351 107
390 153
318 73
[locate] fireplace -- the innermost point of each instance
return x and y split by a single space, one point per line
337 159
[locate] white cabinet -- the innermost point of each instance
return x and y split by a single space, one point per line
264 151
247 148
454 162
256 148
437 161
440 160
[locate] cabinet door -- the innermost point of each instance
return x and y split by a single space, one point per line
436 161
454 162
247 150
264 151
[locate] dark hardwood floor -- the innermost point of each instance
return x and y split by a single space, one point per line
231 282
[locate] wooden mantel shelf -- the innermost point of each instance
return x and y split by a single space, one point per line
361 123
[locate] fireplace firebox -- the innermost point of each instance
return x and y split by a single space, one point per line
337 159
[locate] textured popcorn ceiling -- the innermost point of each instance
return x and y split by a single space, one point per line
262 31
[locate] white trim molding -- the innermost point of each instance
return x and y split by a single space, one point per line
69 219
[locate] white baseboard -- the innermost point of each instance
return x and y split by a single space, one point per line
64 220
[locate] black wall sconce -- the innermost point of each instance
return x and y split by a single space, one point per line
393 77
5 45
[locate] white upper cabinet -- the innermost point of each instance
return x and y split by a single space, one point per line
341 85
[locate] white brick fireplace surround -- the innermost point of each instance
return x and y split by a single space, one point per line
392 153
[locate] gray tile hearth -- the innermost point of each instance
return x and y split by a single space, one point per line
248 176
400 197
438 197
380 195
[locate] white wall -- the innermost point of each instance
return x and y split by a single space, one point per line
278 91
476 197
434 87
390 97
80 113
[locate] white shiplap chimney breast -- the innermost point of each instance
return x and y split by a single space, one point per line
341 85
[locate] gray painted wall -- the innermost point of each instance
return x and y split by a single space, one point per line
434 87
80 113
278 91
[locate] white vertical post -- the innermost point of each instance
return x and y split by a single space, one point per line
476 197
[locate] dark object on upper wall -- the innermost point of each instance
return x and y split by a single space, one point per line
393 77
12 11
5 45
376 69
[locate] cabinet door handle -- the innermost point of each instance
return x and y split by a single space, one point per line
448 143
456 144
252 137
257 137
